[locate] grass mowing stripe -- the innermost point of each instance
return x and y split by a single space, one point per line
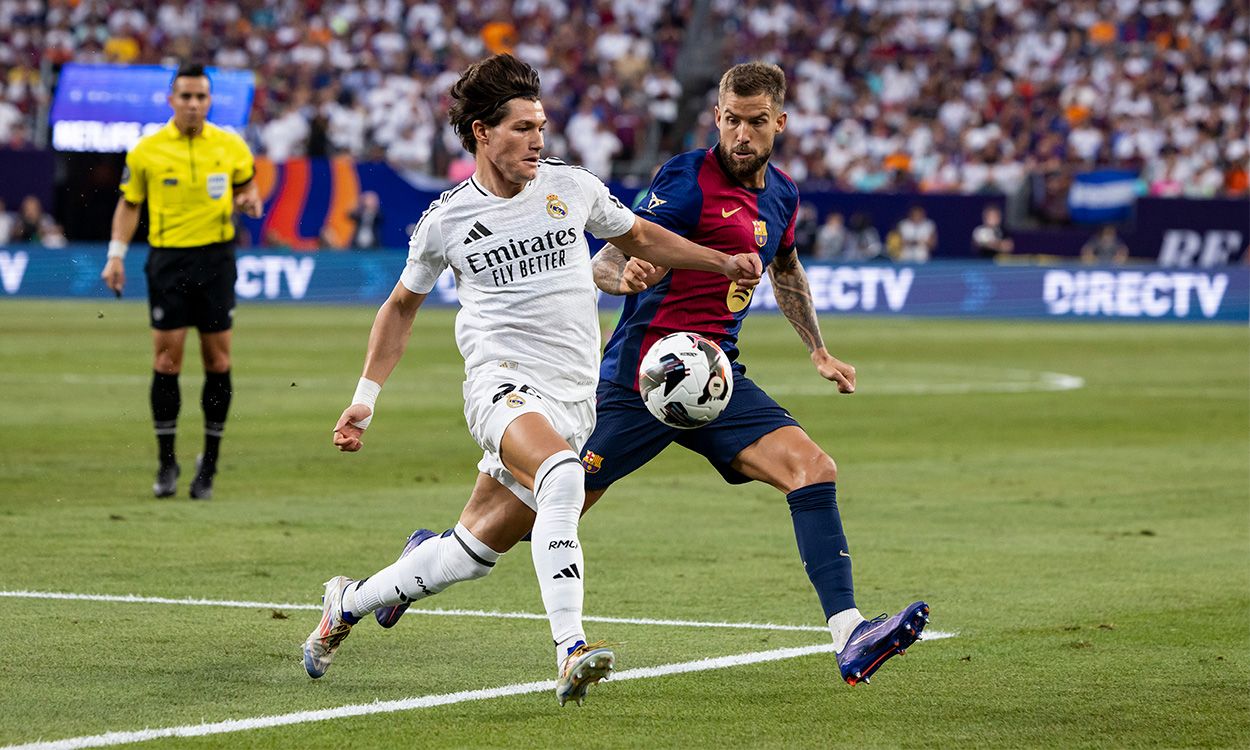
135 599
408 704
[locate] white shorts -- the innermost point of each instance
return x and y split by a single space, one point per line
490 405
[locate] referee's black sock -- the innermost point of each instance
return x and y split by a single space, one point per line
166 401
215 400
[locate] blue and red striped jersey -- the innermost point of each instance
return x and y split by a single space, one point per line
694 196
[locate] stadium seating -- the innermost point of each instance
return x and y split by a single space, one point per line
939 95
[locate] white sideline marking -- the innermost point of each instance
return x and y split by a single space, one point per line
929 635
406 704
134 599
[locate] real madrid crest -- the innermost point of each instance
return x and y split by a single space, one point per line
761 231
556 208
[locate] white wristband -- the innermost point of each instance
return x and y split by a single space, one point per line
117 248
366 393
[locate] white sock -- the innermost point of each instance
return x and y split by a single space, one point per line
559 493
842 624
434 565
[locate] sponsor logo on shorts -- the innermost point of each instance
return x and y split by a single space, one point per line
562 544
592 462
158 313
556 208
515 400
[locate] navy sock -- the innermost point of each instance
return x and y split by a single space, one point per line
822 545
215 400
166 401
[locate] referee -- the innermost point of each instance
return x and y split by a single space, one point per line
193 176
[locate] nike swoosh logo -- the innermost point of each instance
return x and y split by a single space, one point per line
866 635
726 214
841 552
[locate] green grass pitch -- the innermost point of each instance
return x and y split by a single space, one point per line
1073 500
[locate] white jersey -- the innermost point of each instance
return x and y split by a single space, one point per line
522 269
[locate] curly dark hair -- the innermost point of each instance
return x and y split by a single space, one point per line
483 92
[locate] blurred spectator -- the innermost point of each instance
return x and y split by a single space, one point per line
864 241
988 239
368 218
1104 248
7 223
805 228
597 150
286 136
11 119
917 235
29 218
35 226
832 241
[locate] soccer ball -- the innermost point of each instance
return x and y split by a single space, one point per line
685 380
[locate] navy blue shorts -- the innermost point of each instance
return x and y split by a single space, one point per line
626 436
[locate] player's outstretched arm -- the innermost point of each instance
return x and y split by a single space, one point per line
387 340
125 220
616 273
660 247
794 299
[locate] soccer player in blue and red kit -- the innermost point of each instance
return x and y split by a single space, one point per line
730 198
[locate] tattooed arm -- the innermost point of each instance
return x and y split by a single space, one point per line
617 273
794 299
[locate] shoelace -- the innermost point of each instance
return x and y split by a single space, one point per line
582 649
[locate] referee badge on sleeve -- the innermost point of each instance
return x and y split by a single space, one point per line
217 185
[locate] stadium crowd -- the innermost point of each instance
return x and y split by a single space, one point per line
929 95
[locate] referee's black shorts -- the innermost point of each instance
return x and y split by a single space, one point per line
191 286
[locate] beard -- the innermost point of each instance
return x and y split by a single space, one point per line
743 169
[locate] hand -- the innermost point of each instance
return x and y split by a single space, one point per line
114 275
346 434
639 275
250 204
744 268
832 368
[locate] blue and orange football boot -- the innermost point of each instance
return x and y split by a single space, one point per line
388 616
874 641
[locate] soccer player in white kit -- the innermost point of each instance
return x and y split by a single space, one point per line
529 333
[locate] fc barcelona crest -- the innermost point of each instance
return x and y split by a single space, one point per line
592 462
556 208
761 232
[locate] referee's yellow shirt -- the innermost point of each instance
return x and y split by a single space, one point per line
188 183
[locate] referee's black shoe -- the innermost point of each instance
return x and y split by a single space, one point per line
202 485
166 484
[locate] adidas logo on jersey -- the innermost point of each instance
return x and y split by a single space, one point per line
478 231
569 572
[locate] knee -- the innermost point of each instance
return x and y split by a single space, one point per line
816 468
166 362
217 363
